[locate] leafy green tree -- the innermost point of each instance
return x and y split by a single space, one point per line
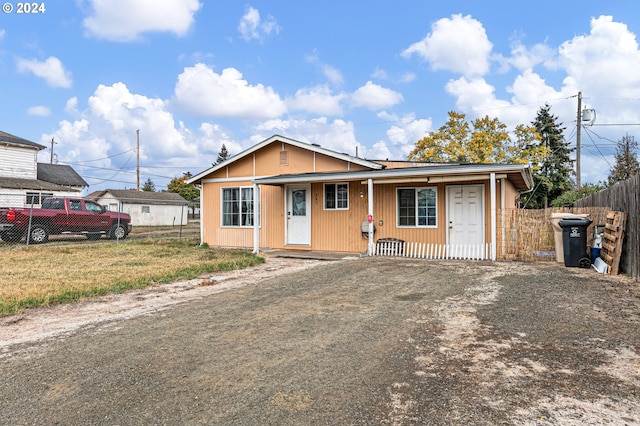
186 190
626 160
568 198
149 186
552 176
485 140
222 155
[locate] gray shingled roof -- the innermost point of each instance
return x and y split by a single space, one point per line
33 185
60 174
141 197
6 138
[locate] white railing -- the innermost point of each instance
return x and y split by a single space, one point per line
433 251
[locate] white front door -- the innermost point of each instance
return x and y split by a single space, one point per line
298 215
465 215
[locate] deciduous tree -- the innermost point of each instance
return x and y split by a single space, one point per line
186 190
485 140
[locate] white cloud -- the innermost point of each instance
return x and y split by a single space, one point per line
2 33
459 44
125 20
318 100
402 136
603 61
203 92
337 135
40 110
51 70
407 130
100 144
252 27
379 74
523 57
214 136
330 73
71 106
374 97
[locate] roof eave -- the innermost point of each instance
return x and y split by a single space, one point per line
299 144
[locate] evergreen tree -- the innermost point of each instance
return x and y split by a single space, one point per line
149 186
552 176
626 160
223 155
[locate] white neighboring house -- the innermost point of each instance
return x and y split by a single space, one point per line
25 182
146 208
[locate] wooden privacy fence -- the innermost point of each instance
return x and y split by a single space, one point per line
623 197
527 234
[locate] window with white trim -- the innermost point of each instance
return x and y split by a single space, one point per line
37 197
417 207
336 196
237 206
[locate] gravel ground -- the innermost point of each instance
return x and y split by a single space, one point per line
359 341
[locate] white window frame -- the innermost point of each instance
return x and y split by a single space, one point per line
324 196
239 206
416 207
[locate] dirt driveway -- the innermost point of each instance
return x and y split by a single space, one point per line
360 341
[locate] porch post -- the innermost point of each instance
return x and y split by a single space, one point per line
494 234
256 218
371 247
201 198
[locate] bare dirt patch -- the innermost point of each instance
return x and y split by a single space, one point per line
365 341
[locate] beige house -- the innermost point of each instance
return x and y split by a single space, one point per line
287 194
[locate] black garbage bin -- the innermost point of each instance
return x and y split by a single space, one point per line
574 241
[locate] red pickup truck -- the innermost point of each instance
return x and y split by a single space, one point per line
62 216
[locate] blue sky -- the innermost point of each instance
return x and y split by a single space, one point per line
373 75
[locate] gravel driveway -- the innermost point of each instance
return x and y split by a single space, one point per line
362 341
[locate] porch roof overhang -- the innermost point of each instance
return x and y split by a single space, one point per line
518 174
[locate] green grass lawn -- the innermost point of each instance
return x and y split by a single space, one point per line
32 276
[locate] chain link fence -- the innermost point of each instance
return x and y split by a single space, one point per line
36 218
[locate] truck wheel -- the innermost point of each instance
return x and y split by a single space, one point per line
39 234
118 232
10 237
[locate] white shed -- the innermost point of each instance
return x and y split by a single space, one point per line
146 208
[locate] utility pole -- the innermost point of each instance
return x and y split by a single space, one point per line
138 158
52 142
578 140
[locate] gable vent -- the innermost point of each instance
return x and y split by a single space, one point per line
284 158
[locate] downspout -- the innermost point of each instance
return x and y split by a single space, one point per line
494 234
370 248
256 219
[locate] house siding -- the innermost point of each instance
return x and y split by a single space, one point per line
336 230
332 229
18 162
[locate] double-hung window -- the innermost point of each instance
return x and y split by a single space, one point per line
416 207
336 196
237 206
